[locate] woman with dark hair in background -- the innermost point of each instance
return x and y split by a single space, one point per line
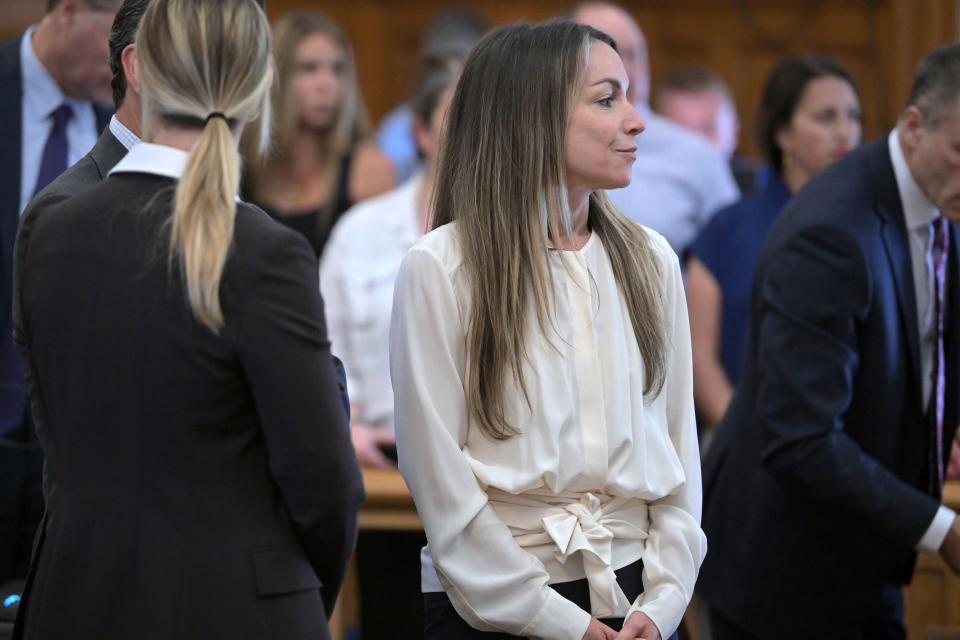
809 116
322 160
357 275
199 477
540 362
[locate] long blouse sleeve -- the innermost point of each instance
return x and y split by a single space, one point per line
493 583
676 545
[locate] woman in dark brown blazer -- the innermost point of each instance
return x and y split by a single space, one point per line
200 481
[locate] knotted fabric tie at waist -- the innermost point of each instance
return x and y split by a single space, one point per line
583 523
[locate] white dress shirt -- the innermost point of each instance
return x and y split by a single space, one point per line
678 181
41 96
919 214
357 272
599 477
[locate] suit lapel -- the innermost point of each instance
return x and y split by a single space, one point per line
897 246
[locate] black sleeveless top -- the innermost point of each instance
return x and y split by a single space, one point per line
309 223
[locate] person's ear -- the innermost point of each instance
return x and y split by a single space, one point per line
782 138
128 58
912 127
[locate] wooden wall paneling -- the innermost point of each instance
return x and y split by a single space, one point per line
17 15
744 47
879 40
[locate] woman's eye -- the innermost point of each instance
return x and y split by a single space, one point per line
606 102
826 117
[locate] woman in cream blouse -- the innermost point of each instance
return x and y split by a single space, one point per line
540 358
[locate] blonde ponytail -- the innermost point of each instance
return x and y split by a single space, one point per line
205 64
204 213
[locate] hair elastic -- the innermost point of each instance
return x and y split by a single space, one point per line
216 114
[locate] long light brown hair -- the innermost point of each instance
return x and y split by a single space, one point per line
502 179
198 57
351 123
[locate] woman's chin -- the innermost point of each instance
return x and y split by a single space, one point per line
618 183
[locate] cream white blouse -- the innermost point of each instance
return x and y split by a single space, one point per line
599 477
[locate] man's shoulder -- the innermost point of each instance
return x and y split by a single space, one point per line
841 204
847 190
89 170
80 189
82 174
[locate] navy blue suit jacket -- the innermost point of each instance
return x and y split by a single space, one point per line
11 115
816 490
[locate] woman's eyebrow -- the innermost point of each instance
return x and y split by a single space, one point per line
614 83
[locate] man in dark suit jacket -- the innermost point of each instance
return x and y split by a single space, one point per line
826 475
124 128
66 56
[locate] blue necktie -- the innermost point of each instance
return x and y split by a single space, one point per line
54 159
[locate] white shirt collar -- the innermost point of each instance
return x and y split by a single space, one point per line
154 159
918 211
123 135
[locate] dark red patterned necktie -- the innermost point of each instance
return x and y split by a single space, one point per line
941 249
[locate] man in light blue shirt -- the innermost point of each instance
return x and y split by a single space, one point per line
679 181
51 80
124 131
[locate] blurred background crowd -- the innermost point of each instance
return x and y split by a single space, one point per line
744 101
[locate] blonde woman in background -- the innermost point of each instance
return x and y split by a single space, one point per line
540 358
321 161
199 477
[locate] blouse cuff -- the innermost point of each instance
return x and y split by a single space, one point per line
558 619
664 605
